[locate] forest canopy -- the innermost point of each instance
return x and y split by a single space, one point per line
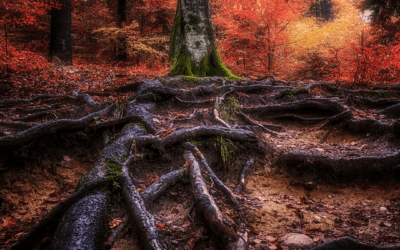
334 40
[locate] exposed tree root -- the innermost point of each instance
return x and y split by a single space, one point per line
83 225
8 103
392 111
326 135
143 116
50 128
218 119
365 103
204 103
117 233
369 125
317 167
206 205
33 236
189 133
251 122
143 219
301 119
242 177
273 78
154 90
345 116
16 125
321 104
162 184
218 183
350 243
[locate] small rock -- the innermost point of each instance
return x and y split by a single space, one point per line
386 224
297 241
383 209
255 242
329 196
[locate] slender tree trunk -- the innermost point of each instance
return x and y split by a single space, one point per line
121 13
60 37
121 54
193 51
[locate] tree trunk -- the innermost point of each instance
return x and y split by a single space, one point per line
121 12
121 54
60 37
193 51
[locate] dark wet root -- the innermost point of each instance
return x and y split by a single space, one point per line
392 111
305 167
369 125
162 184
137 209
153 90
203 131
251 122
34 234
320 104
206 206
345 116
218 183
350 243
50 128
367 103
242 177
135 114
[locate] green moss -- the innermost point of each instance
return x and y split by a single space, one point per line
196 143
229 108
290 93
113 173
209 66
86 183
102 189
176 31
164 82
132 97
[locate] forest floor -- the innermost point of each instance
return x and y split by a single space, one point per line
302 180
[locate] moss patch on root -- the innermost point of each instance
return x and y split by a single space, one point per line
209 66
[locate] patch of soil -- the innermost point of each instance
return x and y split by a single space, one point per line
369 212
33 186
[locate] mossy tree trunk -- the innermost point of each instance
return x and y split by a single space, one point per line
193 51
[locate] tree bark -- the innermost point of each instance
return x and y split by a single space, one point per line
121 54
193 51
60 34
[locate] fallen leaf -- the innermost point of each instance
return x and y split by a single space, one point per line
140 190
66 158
8 222
186 224
52 200
186 165
160 225
114 223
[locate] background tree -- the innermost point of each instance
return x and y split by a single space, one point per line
121 54
385 14
60 37
193 50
